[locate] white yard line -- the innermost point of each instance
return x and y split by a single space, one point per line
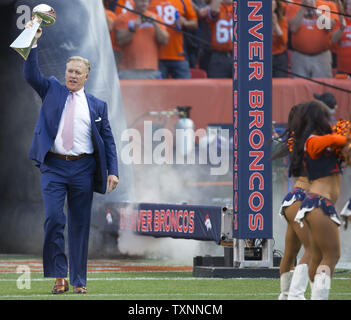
157 279
155 295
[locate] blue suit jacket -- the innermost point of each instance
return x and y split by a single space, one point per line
54 95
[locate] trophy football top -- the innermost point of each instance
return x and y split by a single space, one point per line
45 13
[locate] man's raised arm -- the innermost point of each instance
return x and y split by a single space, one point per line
31 69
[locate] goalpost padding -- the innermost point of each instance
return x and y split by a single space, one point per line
252 119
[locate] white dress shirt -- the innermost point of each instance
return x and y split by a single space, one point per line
82 141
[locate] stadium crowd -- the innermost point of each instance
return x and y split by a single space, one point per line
196 37
313 43
180 39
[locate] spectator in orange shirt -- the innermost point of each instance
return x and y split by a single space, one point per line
279 41
204 33
342 38
138 38
310 37
194 47
220 21
180 15
110 18
112 11
219 15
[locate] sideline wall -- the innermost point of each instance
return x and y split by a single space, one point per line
211 99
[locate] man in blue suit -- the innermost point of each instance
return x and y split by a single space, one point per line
75 150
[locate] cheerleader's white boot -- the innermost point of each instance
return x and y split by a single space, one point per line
285 279
299 283
321 285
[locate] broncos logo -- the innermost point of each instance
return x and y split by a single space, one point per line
208 222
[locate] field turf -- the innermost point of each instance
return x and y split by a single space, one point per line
148 280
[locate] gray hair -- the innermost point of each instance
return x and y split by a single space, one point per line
81 59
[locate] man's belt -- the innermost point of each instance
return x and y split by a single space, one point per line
67 157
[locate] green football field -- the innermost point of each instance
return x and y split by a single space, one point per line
146 280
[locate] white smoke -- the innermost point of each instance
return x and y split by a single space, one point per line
165 184
179 251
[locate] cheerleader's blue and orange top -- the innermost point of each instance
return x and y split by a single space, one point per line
321 155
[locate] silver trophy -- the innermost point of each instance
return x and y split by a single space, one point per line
42 15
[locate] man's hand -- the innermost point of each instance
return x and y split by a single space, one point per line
137 23
112 182
38 34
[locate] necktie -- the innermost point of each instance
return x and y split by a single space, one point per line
67 131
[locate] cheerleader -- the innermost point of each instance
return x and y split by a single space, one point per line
293 284
317 148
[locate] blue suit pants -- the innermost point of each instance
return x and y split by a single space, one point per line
73 180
